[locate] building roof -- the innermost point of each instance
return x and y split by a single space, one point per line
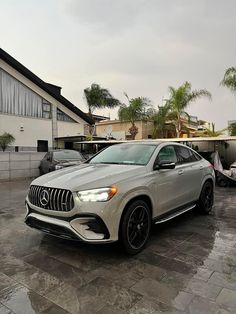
99 118
51 89
158 140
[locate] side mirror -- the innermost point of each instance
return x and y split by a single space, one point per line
164 164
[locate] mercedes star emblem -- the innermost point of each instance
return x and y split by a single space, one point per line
44 197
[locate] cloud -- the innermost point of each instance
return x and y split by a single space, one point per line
137 46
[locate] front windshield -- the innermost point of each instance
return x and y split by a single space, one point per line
128 154
67 155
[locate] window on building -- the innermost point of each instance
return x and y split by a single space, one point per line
42 146
18 99
46 109
61 116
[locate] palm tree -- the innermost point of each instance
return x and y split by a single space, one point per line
136 110
211 132
159 120
232 129
99 98
229 79
179 100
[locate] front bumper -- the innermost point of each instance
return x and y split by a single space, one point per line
87 227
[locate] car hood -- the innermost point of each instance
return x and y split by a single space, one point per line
89 176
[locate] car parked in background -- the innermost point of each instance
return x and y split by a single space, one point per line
58 159
118 193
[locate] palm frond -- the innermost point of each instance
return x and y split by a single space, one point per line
229 79
98 98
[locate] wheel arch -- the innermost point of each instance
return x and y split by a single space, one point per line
141 197
207 179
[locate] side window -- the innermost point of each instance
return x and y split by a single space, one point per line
185 155
46 156
197 156
167 153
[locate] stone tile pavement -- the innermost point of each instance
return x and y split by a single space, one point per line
189 266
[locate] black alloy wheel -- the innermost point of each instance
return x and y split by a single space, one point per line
135 228
206 198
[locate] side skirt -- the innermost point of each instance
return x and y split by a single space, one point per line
173 213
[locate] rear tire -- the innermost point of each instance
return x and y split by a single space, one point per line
135 227
223 183
206 199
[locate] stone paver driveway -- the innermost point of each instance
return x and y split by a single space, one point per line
189 266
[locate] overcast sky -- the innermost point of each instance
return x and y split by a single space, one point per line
136 46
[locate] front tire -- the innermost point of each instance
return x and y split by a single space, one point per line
135 227
206 199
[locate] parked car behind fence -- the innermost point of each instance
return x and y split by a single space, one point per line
58 159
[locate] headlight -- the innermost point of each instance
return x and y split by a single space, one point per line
97 195
57 167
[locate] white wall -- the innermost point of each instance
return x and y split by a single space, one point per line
39 91
227 151
34 129
19 165
69 129
38 128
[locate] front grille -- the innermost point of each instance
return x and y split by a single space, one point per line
51 198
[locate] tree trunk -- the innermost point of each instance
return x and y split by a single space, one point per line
178 127
133 131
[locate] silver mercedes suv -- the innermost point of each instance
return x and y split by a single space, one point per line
118 193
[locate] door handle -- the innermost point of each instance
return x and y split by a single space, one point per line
201 167
180 171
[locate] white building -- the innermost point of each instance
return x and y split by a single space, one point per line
34 111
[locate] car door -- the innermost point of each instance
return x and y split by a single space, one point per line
166 182
190 174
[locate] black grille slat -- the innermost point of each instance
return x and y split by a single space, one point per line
59 199
51 203
66 199
62 200
37 195
54 200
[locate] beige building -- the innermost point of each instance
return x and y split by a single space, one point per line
120 130
34 111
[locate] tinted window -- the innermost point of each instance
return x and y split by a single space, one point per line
185 155
198 157
167 153
135 154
